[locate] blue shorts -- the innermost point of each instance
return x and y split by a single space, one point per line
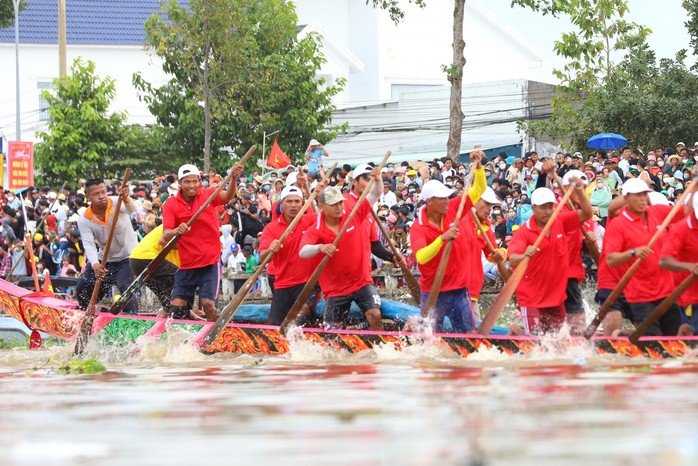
454 304
205 279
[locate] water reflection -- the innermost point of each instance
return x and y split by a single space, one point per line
322 408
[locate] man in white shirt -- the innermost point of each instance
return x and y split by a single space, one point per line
236 260
387 197
624 162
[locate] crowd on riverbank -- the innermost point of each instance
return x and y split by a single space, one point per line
51 215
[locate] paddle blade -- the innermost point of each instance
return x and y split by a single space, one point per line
503 298
229 311
35 340
84 333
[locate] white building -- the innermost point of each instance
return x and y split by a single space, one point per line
385 64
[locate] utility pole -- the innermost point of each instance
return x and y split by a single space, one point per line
62 40
18 131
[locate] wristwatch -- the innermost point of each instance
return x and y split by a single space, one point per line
632 253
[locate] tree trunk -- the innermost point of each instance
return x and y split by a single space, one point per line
455 77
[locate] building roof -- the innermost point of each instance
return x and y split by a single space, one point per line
89 22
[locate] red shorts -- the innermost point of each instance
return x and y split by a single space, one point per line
543 319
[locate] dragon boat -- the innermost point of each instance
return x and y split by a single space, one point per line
60 318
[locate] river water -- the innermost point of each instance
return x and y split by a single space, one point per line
162 402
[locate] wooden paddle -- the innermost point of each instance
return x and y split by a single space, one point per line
503 271
38 226
430 306
89 317
623 282
661 309
516 277
308 288
148 272
29 246
592 246
229 312
412 283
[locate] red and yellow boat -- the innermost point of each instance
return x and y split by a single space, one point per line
61 319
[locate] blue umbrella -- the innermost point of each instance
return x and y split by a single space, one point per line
509 160
607 141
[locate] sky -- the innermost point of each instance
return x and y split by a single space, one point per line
666 19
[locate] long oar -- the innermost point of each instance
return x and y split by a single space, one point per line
662 308
503 271
443 263
308 288
39 225
591 245
148 272
412 283
234 304
89 317
28 239
603 310
516 277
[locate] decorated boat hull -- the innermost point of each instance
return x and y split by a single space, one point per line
52 316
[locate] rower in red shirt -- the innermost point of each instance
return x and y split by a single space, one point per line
290 274
360 176
200 246
626 240
541 293
482 209
431 229
607 279
347 276
574 305
679 253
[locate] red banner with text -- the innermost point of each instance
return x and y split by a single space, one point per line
20 164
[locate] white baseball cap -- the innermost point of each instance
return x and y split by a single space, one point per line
186 170
291 178
362 169
572 174
291 191
435 188
314 142
634 186
658 198
489 196
542 196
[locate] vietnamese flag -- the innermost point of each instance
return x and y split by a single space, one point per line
277 158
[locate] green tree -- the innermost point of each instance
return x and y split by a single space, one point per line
7 12
601 35
238 69
83 139
454 71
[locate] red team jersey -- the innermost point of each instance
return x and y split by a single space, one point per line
201 246
628 231
423 233
350 268
289 269
545 282
682 244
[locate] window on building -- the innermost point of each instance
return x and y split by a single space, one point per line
43 103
